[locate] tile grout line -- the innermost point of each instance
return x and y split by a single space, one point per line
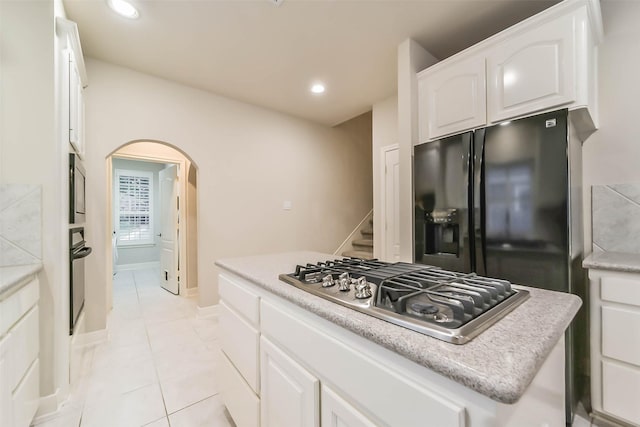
153 356
623 196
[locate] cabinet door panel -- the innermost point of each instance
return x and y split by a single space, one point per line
620 391
622 290
337 412
621 334
452 98
25 343
242 403
533 71
290 395
239 298
26 397
240 341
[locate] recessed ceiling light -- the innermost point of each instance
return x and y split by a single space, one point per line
317 88
123 8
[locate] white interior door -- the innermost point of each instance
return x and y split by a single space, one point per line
169 268
392 205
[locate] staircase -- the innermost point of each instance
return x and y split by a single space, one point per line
362 247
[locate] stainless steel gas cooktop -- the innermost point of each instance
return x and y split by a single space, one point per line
450 306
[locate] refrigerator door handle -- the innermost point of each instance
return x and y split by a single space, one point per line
479 203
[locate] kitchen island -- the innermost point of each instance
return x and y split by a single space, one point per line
385 374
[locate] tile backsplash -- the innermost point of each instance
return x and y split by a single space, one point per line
616 218
20 224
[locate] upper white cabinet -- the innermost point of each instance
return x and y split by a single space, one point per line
452 98
74 80
534 71
545 62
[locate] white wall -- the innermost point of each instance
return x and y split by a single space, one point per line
612 154
146 253
249 160
385 133
411 59
33 151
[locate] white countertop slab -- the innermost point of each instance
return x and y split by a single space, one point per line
14 275
500 363
615 261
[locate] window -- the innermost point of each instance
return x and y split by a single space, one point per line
134 214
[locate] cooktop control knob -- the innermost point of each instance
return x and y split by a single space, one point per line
344 282
363 289
327 281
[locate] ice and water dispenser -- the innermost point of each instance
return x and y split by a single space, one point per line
442 232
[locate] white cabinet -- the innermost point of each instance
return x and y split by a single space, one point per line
74 78
533 71
615 344
315 373
337 412
76 105
546 62
452 98
19 354
290 394
239 368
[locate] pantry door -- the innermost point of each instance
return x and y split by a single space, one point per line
169 266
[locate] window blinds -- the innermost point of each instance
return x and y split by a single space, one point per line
135 207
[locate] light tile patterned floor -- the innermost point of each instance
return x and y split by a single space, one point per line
157 368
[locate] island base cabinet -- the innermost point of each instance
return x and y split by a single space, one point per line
241 402
337 412
290 394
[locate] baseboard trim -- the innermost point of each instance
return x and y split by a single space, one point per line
48 407
208 311
191 292
136 266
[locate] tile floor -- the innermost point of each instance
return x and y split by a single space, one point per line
157 368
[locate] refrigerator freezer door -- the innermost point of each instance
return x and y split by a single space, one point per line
523 201
442 199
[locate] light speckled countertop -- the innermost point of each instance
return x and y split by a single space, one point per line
500 363
14 275
615 261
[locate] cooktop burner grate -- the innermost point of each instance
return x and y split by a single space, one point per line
447 305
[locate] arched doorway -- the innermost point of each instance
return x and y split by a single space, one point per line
136 234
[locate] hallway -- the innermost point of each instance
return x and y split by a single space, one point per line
157 367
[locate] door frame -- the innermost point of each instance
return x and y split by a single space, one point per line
182 214
383 197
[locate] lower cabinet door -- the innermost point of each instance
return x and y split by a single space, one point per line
26 397
241 402
337 412
6 401
621 391
289 395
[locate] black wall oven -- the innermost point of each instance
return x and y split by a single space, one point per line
76 190
78 251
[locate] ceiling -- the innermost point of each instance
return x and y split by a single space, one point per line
269 55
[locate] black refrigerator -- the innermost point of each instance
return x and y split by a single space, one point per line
505 202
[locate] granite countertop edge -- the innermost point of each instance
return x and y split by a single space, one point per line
14 275
500 363
614 261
